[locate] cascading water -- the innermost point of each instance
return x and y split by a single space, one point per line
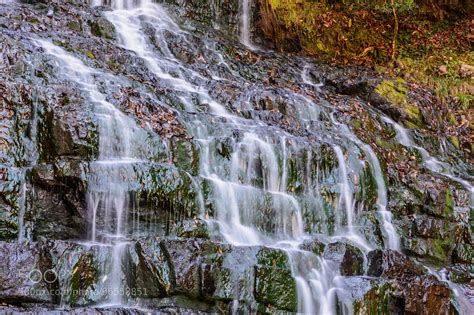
253 189
430 162
236 196
108 196
393 241
245 24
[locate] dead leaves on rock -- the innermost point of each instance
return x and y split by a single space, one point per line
160 119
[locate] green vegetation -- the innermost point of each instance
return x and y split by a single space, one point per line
417 39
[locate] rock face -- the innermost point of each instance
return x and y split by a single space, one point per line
21 274
404 287
174 257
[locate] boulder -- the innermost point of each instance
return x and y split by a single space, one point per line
151 274
349 258
391 264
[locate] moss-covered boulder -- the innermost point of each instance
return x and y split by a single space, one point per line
395 92
276 287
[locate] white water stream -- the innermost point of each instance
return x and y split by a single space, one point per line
245 26
430 162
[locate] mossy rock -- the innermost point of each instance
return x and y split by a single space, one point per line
378 300
349 258
151 274
192 229
84 276
315 246
437 251
396 92
276 287
271 257
101 27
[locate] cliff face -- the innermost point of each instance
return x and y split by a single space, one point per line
288 119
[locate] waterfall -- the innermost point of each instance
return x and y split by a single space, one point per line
108 194
254 192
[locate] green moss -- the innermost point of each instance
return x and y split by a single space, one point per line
449 204
74 26
413 112
368 187
272 258
455 141
440 249
276 287
376 301
394 91
89 54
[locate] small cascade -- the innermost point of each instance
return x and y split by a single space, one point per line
382 201
305 75
108 195
392 238
21 212
430 162
245 24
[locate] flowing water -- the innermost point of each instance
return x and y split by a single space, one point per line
253 191
245 27
430 162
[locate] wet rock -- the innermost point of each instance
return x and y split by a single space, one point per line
460 273
224 14
391 264
101 27
80 272
185 155
186 258
349 258
192 229
463 253
59 208
426 295
275 286
272 257
419 295
426 226
22 267
370 228
379 298
316 246
151 273
395 96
